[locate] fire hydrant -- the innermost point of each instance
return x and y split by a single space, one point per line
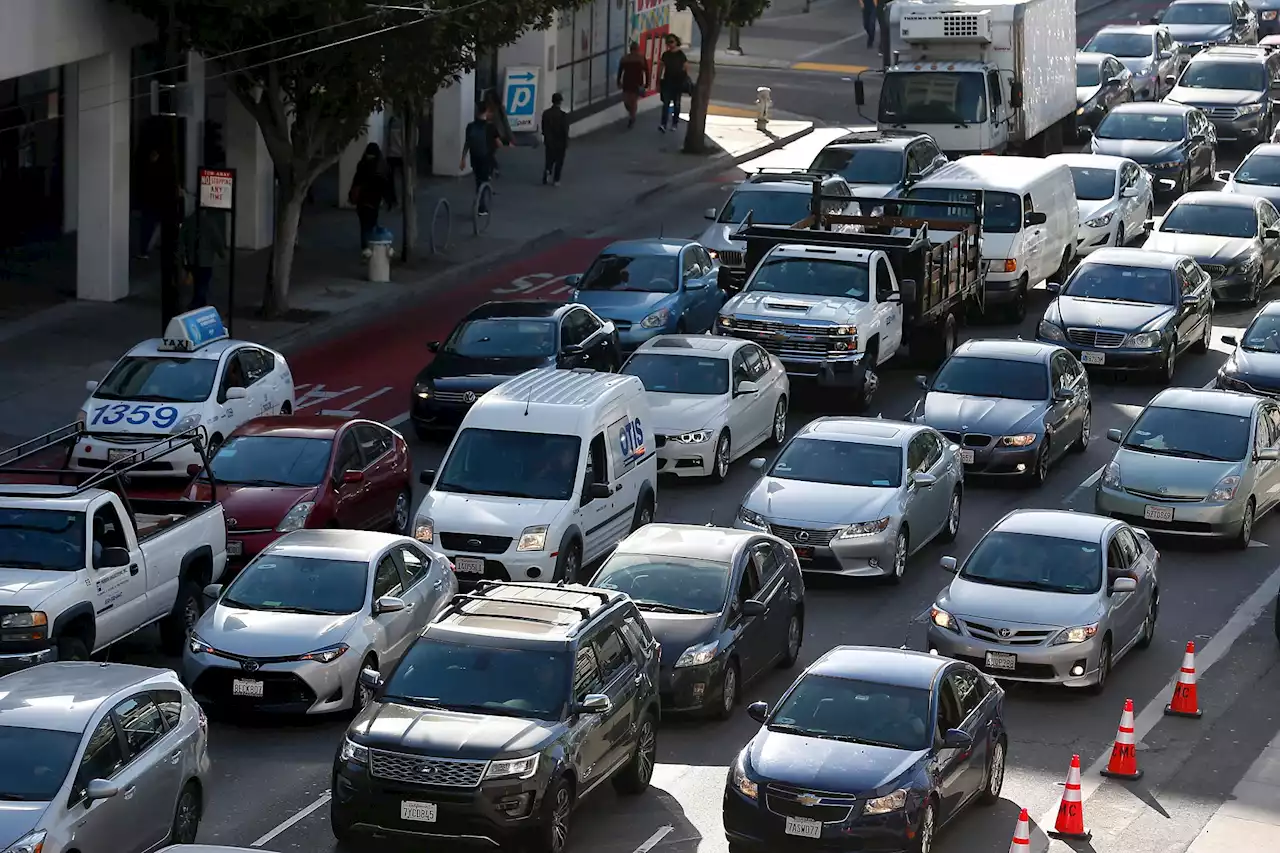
764 107
379 254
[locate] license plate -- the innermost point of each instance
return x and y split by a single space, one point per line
1002 660
966 457
234 547
117 455
805 553
246 687
804 827
420 812
1158 513
469 566
1093 358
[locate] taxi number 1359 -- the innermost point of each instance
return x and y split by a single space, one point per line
161 417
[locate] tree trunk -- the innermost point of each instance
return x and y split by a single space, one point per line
275 301
409 198
695 137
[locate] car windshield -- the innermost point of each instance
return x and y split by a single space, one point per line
1001 212
1088 74
1198 13
1214 220
49 539
503 337
667 584
289 584
636 273
933 97
506 463
848 709
1094 183
269 460
1123 45
1263 334
973 376
1225 75
1150 127
767 207
839 279
1190 434
680 374
1261 169
159 379
34 763
861 165
840 463
1031 561
1122 284
481 679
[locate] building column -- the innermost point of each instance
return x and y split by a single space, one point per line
70 146
102 233
452 109
374 131
192 106
255 177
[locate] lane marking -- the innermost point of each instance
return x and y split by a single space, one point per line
296 818
823 48
355 407
655 839
828 68
732 112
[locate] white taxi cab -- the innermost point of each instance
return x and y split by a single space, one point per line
195 376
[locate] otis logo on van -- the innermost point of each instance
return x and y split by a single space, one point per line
631 441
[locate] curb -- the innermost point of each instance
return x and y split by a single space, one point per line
720 162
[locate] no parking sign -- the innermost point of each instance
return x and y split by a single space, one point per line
520 97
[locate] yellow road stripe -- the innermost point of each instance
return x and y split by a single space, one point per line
734 112
828 67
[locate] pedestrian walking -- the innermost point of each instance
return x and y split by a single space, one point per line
555 139
673 81
395 153
203 238
633 80
480 140
498 117
154 189
869 18
371 188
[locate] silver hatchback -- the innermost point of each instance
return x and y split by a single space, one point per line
99 758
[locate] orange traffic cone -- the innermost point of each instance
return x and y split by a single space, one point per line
1022 834
1124 755
1185 702
1070 823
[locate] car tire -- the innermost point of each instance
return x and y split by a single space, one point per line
644 513
721 456
779 432
1169 367
923 841
1120 238
951 527
1040 473
730 690
402 513
634 777
552 835
1245 532
901 550
341 825
361 696
186 816
994 778
1104 668
794 640
1255 290
1202 345
1149 621
569 563
186 612
71 647
1081 444
1017 312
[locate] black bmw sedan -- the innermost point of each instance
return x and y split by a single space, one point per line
1254 365
870 749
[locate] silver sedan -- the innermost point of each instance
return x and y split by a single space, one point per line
858 496
295 628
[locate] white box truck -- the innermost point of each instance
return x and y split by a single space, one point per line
981 76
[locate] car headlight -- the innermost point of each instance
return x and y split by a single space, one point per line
1248 110
846 330
738 778
30 843
755 519
657 319
422 390
943 619
1051 331
1269 15
1245 266
1025 439
296 518
1111 475
865 528
1166 164
354 752
698 436
1078 634
888 803
1228 381
1101 221
1143 340
1226 488
699 655
198 646
512 768
724 322
328 654
81 416
424 530
34 619
533 538
186 424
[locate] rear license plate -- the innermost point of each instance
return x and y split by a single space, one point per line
804 552
246 687
1158 513
117 455
420 812
234 547
1093 358
804 827
468 566
966 457
1002 660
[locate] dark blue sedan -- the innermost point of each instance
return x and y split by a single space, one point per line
869 749
652 287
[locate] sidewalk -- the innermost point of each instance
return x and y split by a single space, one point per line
1250 821
827 39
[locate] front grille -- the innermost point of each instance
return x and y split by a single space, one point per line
278 688
1156 496
1221 113
1095 338
795 340
475 542
456 397
811 537
1214 270
1033 671
731 258
830 808
971 439
423 770
1018 637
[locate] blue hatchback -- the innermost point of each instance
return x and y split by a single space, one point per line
870 749
651 287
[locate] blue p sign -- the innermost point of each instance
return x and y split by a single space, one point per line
520 99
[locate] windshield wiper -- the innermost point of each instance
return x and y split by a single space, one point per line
266 483
495 709
18 798
644 603
414 701
1248 348
1038 585
1172 451
465 490
231 602
859 740
305 611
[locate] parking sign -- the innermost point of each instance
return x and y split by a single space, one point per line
520 96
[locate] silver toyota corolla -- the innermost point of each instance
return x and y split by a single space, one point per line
1050 596
293 631
858 496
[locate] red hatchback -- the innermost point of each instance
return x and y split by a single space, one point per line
283 473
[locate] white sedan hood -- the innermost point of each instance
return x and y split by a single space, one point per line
674 414
1091 209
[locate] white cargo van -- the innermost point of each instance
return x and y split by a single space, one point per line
547 473
1030 219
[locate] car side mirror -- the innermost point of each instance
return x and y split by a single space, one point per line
112 558
758 463
1054 287
433 346
349 477
1165 54
1271 234
213 592
949 564
746 387
371 678
237 393
427 477
907 290
571 350
752 607
1230 340
594 703
758 711
923 480
859 93
1064 393
1124 585
1170 80
709 213
91 385
388 604
599 491
1267 454
573 280
923 382
1155 19
1129 192
1085 131
100 789
1115 435
892 296
1224 176
957 739
1035 217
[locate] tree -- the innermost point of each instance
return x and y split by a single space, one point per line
712 16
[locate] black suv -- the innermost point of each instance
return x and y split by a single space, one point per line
880 162
502 715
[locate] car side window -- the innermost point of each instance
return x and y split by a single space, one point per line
141 722
257 364
1188 281
917 454
597 460
968 689
993 83
414 563
1117 559
386 578
749 585
1272 413
691 268
1059 372
170 704
884 281
1267 213
1128 546
103 757
573 330
931 153
233 376
586 673
348 456
757 367
932 448
1028 205
1263 435
637 633
374 441
767 564
613 654
108 531
741 373
949 713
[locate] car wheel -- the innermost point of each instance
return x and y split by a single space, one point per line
1120 236
569 562
644 513
952 528
177 626
779 433
400 514
1202 345
635 776
1018 310
728 692
1255 288
1082 443
557 804
362 694
1170 363
1104 668
995 775
720 462
186 816
1040 471
1245 531
340 825
901 547
795 639
923 842
72 648
1149 621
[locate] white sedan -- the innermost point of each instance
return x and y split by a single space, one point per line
1114 195
714 399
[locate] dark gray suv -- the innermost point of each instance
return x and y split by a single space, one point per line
1233 87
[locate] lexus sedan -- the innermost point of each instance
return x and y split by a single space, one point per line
1102 82
1198 24
1258 174
1131 309
1012 408
1052 596
1196 462
1115 197
858 496
725 606
713 399
1254 365
1235 239
870 749
1149 52
1176 144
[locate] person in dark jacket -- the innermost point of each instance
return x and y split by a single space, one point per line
370 189
673 81
869 18
155 192
555 139
204 245
492 105
633 80
479 140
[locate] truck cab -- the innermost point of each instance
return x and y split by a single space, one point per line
964 105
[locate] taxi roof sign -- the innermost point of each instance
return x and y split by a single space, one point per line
192 330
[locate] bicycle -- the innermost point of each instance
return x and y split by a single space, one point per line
481 208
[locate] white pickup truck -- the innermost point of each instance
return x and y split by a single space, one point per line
82 566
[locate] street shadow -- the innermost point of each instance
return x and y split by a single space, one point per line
979 829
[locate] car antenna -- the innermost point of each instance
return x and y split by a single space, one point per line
527 401
661 225
711 522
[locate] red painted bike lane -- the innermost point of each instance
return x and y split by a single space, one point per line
369 373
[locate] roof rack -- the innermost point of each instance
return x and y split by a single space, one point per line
778 174
605 598
455 606
41 443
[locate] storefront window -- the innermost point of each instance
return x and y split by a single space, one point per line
649 25
31 157
589 43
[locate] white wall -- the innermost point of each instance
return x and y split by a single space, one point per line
39 34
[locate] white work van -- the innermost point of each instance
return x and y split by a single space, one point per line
547 473
1029 224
